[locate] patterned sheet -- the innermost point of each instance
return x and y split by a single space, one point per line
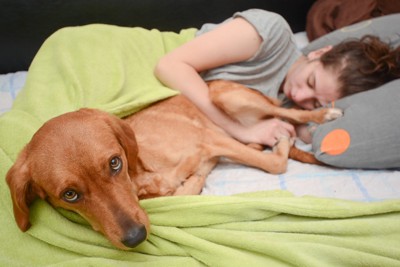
305 179
10 85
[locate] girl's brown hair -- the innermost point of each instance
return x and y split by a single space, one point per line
363 64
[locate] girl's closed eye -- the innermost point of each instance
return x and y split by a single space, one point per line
311 85
311 81
317 104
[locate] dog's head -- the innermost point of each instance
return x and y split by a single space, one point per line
83 161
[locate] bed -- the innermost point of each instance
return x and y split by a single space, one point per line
309 216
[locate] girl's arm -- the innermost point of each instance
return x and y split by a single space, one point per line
234 41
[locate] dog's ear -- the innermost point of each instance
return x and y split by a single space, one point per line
127 140
23 190
124 134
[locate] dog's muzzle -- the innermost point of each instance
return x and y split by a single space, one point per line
134 236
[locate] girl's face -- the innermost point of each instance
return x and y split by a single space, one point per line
309 85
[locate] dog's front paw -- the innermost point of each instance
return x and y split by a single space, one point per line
332 114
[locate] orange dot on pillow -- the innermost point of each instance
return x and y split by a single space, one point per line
336 142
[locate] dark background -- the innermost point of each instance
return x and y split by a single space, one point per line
25 24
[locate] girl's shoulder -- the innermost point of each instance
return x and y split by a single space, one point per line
268 24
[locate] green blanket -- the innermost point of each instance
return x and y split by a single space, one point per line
110 68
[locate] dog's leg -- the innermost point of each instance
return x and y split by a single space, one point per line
192 186
273 162
299 116
249 106
303 156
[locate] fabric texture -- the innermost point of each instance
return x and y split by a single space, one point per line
111 68
259 229
266 70
10 85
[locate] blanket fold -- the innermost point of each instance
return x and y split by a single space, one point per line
111 68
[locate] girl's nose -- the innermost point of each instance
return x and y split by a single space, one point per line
303 97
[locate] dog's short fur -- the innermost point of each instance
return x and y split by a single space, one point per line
100 166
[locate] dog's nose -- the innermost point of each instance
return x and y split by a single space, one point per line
134 236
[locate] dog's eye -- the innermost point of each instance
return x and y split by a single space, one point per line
71 196
115 164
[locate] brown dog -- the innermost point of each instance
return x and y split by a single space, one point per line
100 166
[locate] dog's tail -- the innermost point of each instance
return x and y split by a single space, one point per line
304 156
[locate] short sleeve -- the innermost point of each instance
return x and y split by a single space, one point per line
266 70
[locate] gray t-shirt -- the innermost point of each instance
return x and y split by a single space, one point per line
267 69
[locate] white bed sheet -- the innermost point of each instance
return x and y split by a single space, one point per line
10 85
300 179
305 179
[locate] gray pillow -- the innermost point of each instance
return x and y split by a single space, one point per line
368 135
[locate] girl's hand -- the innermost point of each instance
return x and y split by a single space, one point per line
304 133
267 132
